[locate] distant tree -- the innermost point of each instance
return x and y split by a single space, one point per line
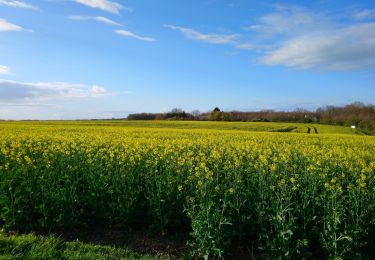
357 113
300 110
357 104
217 115
160 116
267 110
178 114
142 116
195 113
176 111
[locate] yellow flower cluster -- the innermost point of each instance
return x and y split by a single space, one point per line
202 173
341 161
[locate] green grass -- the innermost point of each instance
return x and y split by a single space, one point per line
36 247
242 126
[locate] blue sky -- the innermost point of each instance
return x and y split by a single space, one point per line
69 59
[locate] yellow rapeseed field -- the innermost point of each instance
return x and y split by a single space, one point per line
284 194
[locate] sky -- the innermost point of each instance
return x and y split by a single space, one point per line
81 59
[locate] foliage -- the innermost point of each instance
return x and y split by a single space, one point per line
218 116
174 114
143 116
358 114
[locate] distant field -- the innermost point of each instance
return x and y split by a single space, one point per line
253 189
243 126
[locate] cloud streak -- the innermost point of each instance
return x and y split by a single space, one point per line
17 4
364 14
348 48
298 38
287 20
20 92
100 19
6 26
4 70
135 36
245 46
209 38
104 5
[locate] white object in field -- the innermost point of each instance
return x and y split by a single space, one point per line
353 126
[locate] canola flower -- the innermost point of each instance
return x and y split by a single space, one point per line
221 182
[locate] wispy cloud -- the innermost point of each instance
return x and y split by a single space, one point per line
106 20
299 38
17 4
133 35
348 48
245 46
198 36
14 91
98 90
105 5
364 14
100 19
4 70
289 20
6 26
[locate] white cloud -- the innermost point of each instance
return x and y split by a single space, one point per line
95 18
98 90
6 26
17 4
4 70
21 92
289 20
51 100
106 20
133 35
299 38
105 5
351 47
364 14
245 46
210 38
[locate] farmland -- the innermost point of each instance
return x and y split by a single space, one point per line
280 190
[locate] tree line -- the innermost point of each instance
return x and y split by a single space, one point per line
357 114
